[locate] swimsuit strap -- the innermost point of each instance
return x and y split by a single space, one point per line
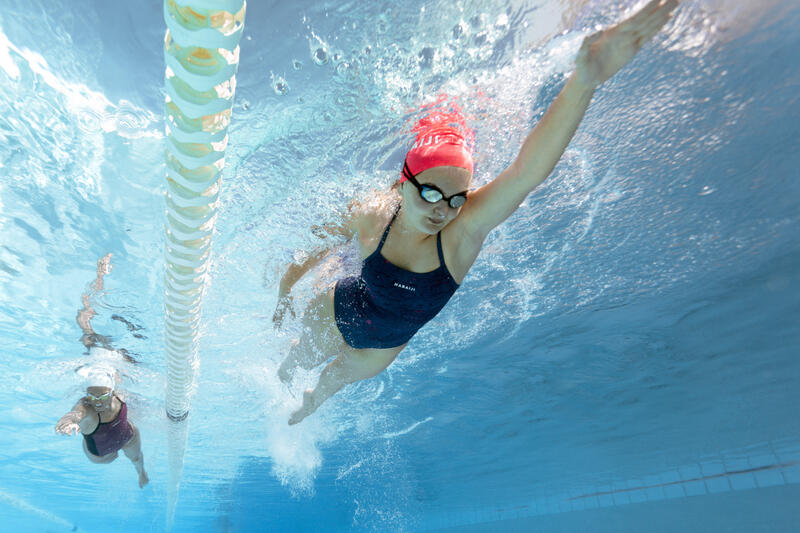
386 231
439 248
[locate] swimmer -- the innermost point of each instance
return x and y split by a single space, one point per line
102 415
419 240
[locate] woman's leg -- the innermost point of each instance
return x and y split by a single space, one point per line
351 366
133 450
320 338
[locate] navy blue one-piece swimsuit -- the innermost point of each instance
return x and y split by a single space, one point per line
386 305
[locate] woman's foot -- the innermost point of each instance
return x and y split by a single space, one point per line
143 479
306 409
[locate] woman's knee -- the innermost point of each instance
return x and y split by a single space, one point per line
363 365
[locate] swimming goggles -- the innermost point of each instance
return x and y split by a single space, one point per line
432 194
102 397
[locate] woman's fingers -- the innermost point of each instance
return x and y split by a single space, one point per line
653 27
67 428
640 28
656 12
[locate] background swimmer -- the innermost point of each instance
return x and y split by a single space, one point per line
102 415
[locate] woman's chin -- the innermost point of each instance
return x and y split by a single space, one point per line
434 225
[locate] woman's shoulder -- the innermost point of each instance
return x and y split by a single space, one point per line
373 209
90 420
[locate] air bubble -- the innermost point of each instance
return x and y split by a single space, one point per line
426 57
502 22
279 85
337 57
297 64
320 56
458 31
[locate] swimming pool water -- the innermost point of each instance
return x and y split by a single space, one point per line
623 356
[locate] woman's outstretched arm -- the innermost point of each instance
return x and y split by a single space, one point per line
70 423
86 313
295 271
600 57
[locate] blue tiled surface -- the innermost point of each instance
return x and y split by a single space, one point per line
769 478
578 505
591 502
715 484
551 505
757 461
712 468
690 472
792 474
638 494
605 500
743 481
621 498
788 454
736 464
695 488
713 476
718 485
655 493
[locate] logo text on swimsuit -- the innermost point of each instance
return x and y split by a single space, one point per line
406 287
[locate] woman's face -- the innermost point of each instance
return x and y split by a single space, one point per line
432 218
100 398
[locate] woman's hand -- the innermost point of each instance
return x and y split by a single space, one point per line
68 425
605 52
284 304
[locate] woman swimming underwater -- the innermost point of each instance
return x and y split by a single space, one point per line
420 239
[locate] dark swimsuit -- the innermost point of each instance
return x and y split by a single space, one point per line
110 437
386 305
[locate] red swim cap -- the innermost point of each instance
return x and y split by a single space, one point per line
439 143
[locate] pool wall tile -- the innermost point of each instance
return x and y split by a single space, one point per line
788 454
715 484
637 491
733 465
591 502
759 461
690 472
791 474
605 500
620 498
769 478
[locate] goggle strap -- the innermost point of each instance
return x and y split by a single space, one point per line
407 171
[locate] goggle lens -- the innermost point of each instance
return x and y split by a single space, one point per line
433 196
457 201
100 398
430 195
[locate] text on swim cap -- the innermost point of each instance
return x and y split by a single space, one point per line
435 139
